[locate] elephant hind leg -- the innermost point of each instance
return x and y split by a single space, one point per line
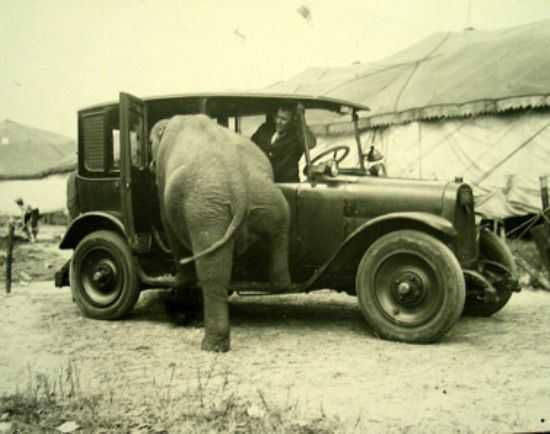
214 274
271 217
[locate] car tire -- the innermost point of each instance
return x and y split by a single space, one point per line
103 277
492 248
410 287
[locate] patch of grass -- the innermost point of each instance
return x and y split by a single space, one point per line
46 401
207 404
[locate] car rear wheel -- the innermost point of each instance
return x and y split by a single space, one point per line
103 278
491 250
410 287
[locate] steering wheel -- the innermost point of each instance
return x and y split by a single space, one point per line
334 150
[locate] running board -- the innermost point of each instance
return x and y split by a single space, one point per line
263 288
241 288
163 281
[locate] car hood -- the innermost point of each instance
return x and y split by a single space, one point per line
368 196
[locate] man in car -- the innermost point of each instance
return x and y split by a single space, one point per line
282 142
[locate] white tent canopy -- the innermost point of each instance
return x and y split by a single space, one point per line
48 194
473 104
34 165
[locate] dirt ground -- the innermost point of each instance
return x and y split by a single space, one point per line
488 375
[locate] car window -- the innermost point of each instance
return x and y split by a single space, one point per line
317 116
136 139
116 150
91 141
249 124
135 147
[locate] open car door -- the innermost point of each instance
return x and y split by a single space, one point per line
135 178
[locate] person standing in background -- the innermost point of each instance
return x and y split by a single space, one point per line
30 217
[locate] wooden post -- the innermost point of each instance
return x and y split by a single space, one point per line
544 191
9 256
544 200
541 233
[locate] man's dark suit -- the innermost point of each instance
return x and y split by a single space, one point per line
284 153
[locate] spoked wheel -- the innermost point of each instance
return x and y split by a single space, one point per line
497 265
410 287
103 279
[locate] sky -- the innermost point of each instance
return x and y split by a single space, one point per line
57 56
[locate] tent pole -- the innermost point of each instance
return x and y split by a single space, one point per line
419 149
358 139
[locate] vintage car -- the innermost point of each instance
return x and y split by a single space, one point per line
409 250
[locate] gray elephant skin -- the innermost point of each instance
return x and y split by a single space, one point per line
217 197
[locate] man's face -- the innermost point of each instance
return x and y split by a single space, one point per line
283 121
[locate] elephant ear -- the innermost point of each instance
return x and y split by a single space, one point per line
155 136
158 130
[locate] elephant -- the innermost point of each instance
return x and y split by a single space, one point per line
217 196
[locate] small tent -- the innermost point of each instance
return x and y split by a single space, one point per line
34 165
473 104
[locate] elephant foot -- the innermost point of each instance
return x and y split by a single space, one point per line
183 280
215 344
187 319
185 308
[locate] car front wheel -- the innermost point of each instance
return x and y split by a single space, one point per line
103 278
410 287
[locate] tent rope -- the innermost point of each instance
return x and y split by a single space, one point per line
511 154
416 66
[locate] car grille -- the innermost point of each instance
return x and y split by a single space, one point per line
466 245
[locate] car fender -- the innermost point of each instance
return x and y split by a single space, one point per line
89 222
393 220
356 244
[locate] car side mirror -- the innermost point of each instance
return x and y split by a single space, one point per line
375 162
374 155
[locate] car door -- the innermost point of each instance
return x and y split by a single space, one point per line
136 180
319 223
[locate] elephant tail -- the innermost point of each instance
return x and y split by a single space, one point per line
236 221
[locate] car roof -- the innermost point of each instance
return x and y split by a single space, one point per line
243 103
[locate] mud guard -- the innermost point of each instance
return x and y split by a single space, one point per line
88 222
61 276
355 245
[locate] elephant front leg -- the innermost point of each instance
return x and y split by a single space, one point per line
184 302
277 225
279 275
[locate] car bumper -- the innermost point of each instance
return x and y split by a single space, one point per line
62 275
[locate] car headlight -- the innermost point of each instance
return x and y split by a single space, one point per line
466 197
